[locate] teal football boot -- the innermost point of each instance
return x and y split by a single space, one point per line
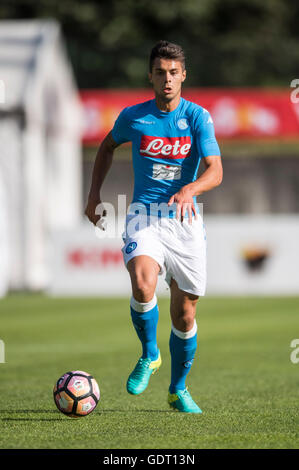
138 379
181 400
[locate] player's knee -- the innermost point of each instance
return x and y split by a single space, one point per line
184 324
143 289
184 319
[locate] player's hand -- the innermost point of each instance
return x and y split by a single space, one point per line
184 202
91 210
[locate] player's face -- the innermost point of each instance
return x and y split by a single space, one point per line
167 77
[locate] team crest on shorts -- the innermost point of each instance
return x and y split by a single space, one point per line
182 124
131 247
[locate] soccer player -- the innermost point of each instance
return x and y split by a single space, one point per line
169 137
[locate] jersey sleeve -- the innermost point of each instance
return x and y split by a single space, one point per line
205 135
121 128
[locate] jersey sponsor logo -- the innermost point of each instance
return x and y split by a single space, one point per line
165 147
166 172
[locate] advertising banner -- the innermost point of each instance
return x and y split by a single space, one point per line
237 113
250 255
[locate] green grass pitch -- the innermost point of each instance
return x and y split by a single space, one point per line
242 376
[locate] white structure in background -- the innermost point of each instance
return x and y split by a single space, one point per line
40 149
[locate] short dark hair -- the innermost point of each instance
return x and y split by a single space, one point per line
167 50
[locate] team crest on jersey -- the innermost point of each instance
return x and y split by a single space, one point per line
182 124
165 147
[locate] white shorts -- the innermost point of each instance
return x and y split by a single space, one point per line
178 247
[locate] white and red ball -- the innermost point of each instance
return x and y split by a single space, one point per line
76 393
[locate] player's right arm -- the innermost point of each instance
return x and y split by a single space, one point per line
101 167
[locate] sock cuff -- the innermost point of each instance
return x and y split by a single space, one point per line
142 307
185 334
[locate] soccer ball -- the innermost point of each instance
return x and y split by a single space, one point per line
76 393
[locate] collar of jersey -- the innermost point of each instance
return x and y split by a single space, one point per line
166 113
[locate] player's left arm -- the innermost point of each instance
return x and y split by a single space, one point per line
209 179
212 176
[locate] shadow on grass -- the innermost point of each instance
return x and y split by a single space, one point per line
28 411
14 412
134 411
62 417
31 419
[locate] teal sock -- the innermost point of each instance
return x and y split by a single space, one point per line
145 320
182 351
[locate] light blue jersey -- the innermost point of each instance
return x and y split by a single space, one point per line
167 147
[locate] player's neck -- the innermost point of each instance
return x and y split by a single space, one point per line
167 106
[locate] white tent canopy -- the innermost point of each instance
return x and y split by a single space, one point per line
40 148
